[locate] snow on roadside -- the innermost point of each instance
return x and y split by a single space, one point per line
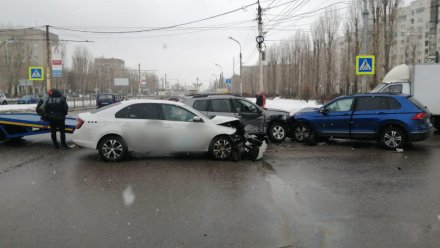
30 108
18 108
290 105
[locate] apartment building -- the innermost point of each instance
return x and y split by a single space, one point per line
19 49
413 33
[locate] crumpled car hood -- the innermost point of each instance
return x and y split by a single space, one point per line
223 119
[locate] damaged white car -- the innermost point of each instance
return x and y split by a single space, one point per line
162 126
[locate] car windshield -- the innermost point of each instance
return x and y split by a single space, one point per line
378 88
105 97
27 97
104 108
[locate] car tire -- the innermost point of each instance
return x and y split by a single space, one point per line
393 137
221 148
303 133
112 148
4 103
277 132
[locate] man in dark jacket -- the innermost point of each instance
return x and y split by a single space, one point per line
56 109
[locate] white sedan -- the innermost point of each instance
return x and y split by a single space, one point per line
153 126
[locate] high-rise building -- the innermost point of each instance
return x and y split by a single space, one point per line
413 33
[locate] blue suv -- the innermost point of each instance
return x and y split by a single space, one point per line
393 120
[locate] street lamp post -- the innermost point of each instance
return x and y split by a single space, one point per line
215 82
221 74
241 83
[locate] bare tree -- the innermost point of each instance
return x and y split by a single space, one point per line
81 65
330 24
376 12
390 8
317 40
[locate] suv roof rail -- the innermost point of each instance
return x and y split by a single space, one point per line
211 94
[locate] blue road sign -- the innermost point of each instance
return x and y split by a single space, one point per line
365 65
228 81
36 73
57 73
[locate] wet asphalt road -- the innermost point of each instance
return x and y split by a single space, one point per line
340 194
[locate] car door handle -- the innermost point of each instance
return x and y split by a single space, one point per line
380 113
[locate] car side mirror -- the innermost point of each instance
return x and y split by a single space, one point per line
197 119
323 111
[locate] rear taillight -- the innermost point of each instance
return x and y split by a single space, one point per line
419 116
79 123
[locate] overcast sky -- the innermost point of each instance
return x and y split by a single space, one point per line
184 53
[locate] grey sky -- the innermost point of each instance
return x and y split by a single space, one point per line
183 53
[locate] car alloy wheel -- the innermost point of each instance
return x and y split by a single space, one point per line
112 149
277 132
302 133
221 148
393 138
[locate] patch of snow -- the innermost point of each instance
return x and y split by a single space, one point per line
128 196
18 107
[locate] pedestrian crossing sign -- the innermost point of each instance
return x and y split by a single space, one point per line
36 73
365 65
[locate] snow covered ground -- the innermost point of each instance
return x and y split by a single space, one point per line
18 107
78 104
290 105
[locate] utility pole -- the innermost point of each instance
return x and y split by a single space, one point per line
364 43
260 40
48 64
433 23
165 82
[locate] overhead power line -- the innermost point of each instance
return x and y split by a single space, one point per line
155 29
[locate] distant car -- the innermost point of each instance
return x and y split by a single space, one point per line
28 99
3 99
153 126
174 98
105 99
393 120
256 120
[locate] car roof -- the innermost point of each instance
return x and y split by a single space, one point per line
376 94
151 101
108 94
212 96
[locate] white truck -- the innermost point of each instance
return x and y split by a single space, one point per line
421 81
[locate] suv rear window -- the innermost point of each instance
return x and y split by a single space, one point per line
201 105
367 103
221 105
418 104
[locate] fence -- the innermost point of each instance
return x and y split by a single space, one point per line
81 102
